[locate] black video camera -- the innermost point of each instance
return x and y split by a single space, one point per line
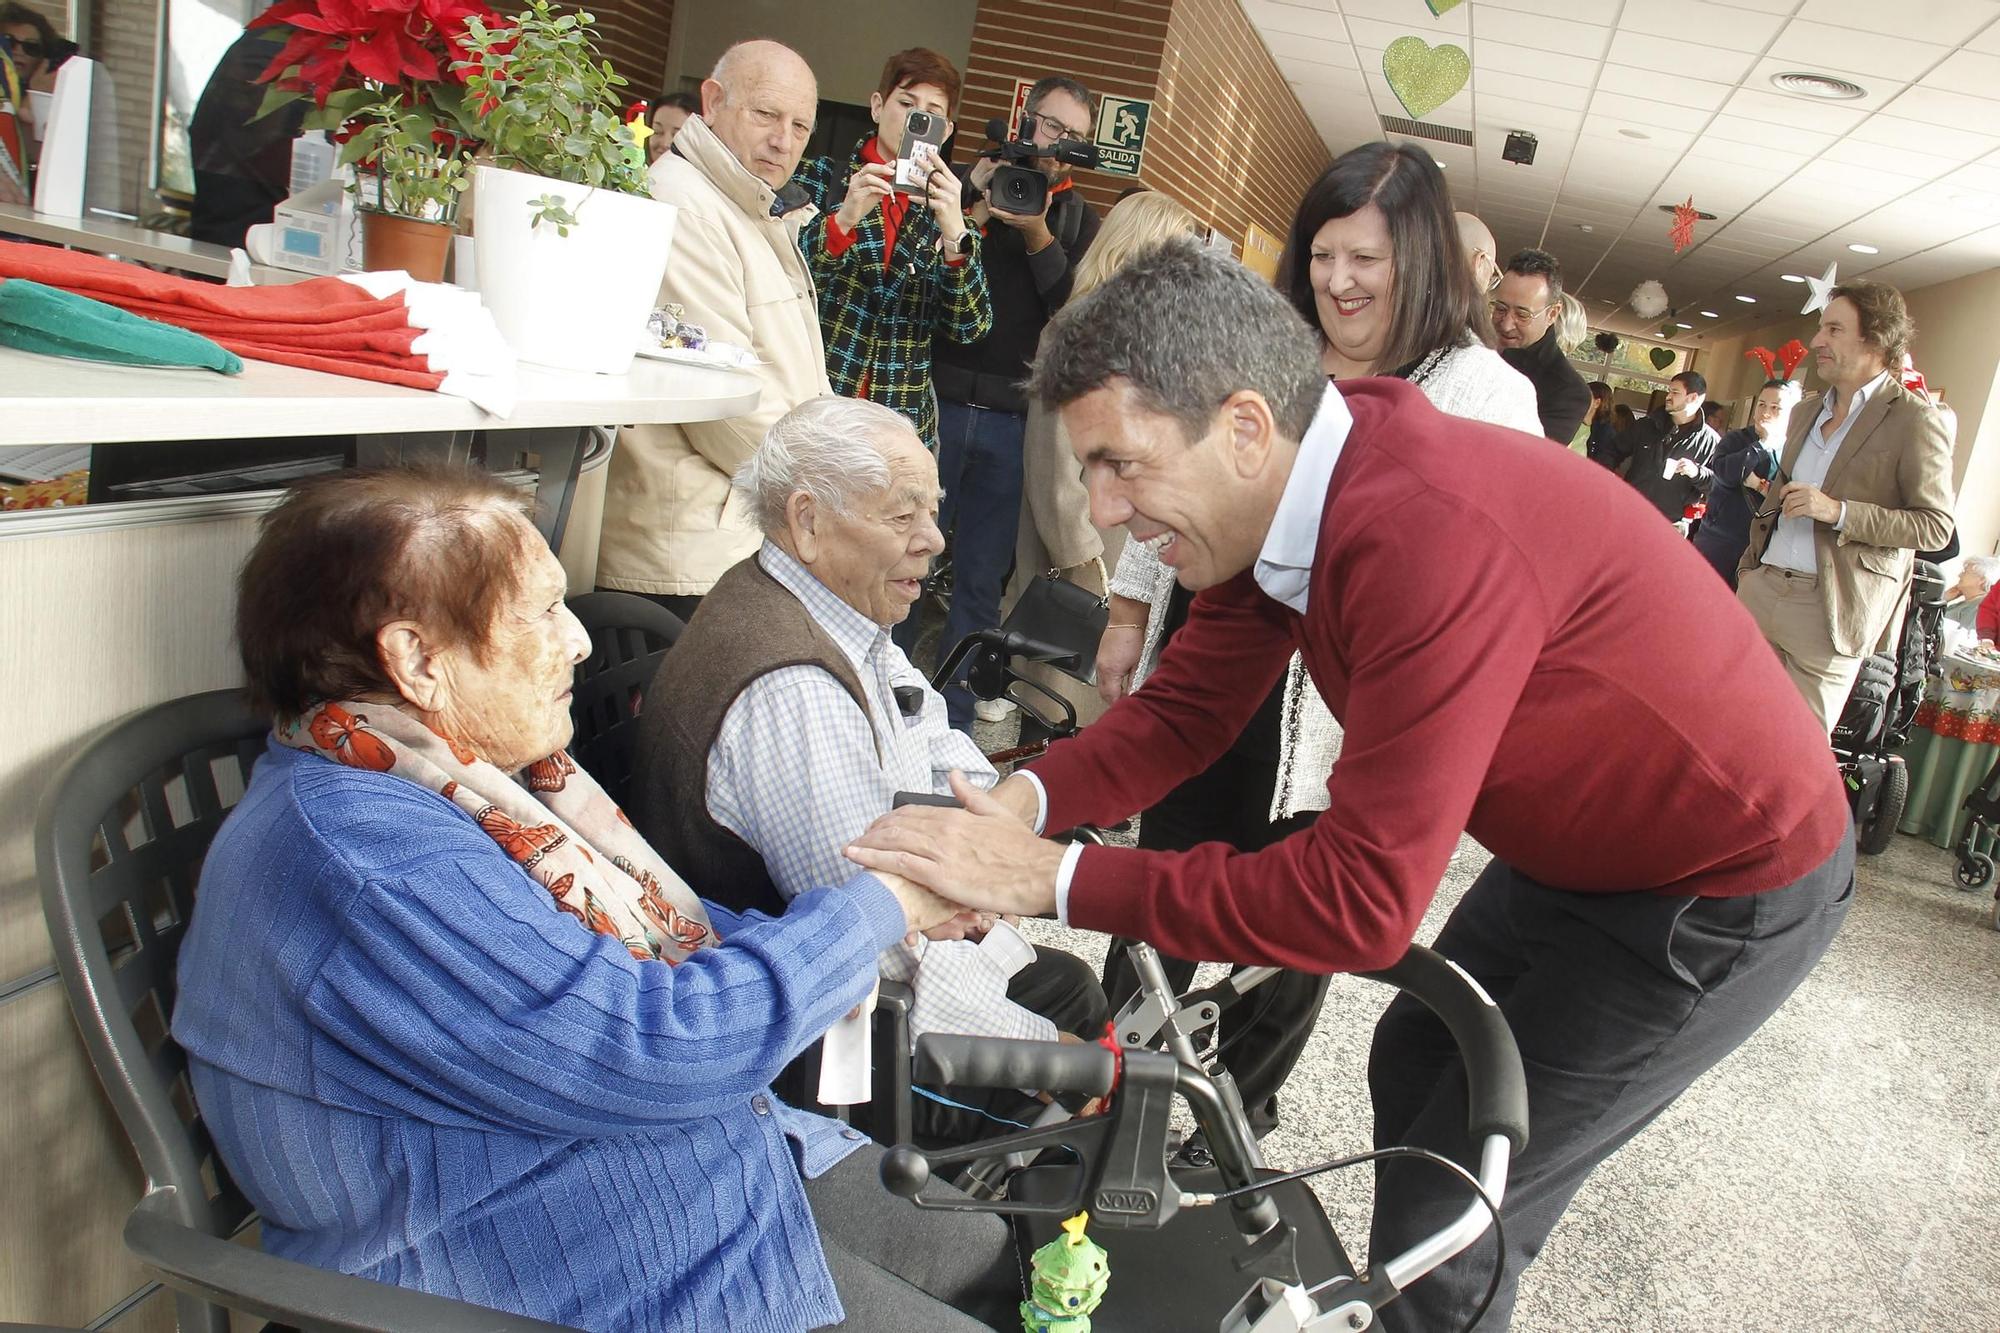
1022 190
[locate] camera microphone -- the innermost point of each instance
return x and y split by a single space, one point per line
1076 153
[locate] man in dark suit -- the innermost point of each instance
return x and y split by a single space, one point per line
1672 850
1666 454
1867 480
1527 306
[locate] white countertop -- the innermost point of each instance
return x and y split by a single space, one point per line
106 236
52 400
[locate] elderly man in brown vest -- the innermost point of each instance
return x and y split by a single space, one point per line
785 720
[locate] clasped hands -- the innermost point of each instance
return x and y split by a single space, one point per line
982 858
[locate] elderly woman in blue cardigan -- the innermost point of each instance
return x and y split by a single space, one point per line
455 1026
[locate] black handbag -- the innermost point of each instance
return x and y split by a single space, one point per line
1066 615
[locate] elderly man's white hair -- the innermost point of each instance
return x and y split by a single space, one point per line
830 448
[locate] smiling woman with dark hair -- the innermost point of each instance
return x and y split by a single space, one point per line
455 1026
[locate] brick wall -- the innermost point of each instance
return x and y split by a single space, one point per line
1114 46
1228 137
633 34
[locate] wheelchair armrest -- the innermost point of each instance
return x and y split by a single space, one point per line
892 1061
315 1300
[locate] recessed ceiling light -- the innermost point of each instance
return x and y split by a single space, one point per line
1585 227
1635 134
1790 277
1860 249
1710 314
1825 87
1699 215
1747 300
1683 326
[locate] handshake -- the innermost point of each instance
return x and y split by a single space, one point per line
952 866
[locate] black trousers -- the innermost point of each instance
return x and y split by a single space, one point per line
1262 1035
1061 988
901 1271
1618 1001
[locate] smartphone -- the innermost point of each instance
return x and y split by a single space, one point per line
904 798
923 133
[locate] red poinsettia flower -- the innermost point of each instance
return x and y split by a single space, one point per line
338 43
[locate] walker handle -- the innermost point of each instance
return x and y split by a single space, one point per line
1496 1091
995 1062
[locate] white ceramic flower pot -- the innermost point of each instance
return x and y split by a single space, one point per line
575 302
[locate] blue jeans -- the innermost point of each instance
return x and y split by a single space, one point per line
979 466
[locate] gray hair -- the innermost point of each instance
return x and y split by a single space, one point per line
1186 327
830 448
1986 566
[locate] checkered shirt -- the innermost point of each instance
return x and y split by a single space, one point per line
795 772
879 319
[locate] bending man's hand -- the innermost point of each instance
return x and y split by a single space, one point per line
983 856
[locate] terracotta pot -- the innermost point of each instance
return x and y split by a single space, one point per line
417 248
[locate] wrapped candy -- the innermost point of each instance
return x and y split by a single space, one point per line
1067 1279
670 328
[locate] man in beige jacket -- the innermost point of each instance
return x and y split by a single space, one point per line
1865 479
670 525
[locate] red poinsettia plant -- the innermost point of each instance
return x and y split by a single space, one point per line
387 78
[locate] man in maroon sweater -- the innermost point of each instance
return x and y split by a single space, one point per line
1517 648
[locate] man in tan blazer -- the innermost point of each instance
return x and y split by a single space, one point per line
1865 479
671 526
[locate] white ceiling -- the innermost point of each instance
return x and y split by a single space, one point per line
1912 168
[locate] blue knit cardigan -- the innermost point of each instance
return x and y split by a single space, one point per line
420 1071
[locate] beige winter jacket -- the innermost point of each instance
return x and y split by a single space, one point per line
671 525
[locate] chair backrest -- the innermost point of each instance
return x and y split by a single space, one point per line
120 836
628 637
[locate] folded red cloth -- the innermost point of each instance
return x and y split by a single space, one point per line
323 324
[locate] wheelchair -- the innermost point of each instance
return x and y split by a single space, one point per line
1881 708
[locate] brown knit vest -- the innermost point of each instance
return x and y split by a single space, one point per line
748 626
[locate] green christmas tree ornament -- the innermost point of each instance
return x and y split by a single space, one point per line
1067 1279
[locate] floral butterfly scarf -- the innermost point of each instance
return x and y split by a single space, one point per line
554 821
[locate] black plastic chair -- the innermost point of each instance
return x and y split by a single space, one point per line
628 637
120 836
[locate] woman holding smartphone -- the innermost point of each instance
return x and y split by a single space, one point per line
895 263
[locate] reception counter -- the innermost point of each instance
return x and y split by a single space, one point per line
107 608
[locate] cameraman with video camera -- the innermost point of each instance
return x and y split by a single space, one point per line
1034 238
892 255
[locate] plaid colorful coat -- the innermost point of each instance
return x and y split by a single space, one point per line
879 319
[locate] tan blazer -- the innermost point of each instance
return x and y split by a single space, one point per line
1894 473
671 523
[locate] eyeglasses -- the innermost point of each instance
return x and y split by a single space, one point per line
28 47
1779 480
1500 308
1056 127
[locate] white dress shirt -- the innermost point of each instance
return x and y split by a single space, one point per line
1791 545
1284 564
799 772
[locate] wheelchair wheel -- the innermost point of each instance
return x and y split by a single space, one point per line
1875 835
1975 870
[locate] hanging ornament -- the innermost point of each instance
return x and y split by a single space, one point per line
1682 232
1649 299
1424 77
1822 290
1440 7
1607 343
1662 357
